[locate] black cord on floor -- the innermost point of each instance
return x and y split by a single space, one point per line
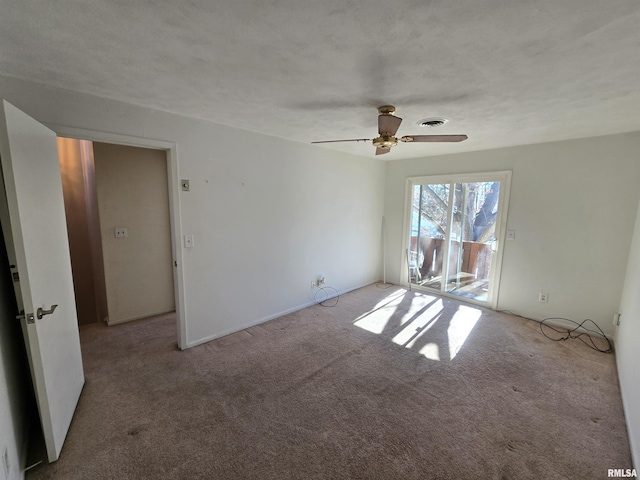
567 334
323 303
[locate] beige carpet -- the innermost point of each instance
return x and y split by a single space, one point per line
385 385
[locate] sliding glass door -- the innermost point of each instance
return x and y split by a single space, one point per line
454 227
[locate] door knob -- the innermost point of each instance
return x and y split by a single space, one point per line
28 316
41 313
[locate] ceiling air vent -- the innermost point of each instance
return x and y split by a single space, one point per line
432 122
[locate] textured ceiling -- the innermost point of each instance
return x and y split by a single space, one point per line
504 72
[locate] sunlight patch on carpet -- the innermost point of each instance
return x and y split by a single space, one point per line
377 319
412 325
460 327
419 326
431 351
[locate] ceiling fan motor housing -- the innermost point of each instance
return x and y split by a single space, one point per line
386 110
385 141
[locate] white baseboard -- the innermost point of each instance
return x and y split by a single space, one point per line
631 429
253 323
138 317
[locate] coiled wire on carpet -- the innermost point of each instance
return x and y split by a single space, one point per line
327 298
567 334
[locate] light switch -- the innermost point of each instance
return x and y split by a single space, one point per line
121 233
511 234
188 241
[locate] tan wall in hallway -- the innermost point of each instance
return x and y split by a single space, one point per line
83 227
132 191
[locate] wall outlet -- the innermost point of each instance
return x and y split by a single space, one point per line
121 233
318 282
543 297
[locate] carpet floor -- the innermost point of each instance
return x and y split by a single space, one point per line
387 384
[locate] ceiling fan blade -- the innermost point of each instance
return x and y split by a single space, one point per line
433 138
388 124
353 140
382 150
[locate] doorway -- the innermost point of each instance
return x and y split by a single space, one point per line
455 226
117 209
168 154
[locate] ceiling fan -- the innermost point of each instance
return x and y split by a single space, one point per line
388 125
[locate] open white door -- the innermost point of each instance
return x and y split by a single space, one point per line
35 230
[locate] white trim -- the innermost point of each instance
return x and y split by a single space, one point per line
139 317
110 137
501 221
626 408
447 245
174 204
262 320
406 226
504 177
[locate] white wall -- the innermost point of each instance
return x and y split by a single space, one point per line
268 215
572 206
131 184
627 341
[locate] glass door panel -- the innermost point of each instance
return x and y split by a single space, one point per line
471 242
453 236
429 219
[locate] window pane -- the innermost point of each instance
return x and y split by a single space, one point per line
430 205
475 208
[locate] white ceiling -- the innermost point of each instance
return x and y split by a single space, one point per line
505 72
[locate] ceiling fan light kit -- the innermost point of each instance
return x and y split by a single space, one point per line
388 125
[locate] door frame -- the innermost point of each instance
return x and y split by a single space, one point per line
504 176
173 186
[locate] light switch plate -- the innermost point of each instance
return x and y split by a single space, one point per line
188 241
185 185
511 234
